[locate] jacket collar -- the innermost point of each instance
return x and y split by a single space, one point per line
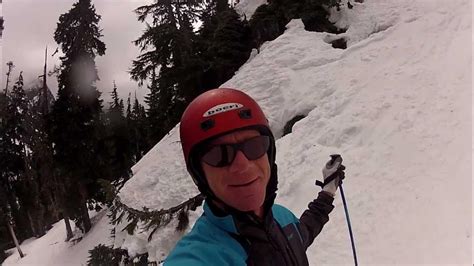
225 223
235 223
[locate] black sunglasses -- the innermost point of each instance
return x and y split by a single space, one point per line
223 154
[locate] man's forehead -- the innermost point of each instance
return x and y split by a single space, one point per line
236 136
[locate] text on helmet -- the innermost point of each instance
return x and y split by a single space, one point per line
221 108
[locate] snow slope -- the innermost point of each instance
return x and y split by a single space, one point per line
51 249
396 104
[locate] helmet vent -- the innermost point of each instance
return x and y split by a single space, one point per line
208 124
245 114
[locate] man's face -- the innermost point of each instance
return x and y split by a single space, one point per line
241 184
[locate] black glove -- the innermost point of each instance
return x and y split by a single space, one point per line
333 174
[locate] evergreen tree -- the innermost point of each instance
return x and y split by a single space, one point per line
168 62
267 23
28 185
4 236
17 107
315 14
115 113
10 66
116 148
137 128
24 191
9 168
75 117
13 164
1 26
142 146
225 43
269 20
128 113
40 171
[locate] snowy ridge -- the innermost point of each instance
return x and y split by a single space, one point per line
396 104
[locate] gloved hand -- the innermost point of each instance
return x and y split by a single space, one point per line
333 174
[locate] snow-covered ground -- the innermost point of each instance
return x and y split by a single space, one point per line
396 104
51 249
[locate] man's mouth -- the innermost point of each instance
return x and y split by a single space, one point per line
244 184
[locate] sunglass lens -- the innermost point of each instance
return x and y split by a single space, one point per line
255 148
223 155
220 155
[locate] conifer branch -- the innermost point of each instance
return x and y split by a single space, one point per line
153 220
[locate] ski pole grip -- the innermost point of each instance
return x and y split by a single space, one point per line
334 158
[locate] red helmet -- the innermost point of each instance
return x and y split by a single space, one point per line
215 113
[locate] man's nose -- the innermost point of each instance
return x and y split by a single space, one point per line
240 163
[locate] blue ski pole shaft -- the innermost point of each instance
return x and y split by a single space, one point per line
348 223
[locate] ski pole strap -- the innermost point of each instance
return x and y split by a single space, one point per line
328 180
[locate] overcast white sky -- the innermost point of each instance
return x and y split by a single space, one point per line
30 25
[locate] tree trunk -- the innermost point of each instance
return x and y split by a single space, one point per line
40 223
86 220
53 210
32 224
66 216
58 187
10 228
68 226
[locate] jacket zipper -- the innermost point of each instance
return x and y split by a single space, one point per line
277 247
274 243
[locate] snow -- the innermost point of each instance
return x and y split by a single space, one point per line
396 104
247 7
51 249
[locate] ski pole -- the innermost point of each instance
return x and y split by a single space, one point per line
336 163
348 223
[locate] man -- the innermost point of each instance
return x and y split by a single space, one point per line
230 153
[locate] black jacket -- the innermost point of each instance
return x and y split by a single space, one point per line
268 243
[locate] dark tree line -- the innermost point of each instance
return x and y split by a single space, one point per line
53 152
34 193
